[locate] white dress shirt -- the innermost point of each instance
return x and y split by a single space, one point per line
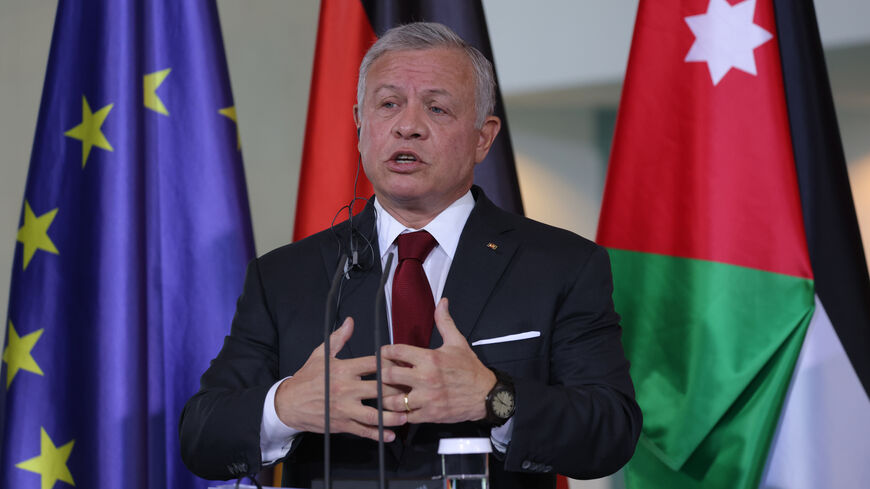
276 438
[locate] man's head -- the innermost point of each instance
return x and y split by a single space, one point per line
428 35
425 99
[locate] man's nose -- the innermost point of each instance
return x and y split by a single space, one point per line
411 123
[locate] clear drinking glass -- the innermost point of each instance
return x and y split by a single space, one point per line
465 462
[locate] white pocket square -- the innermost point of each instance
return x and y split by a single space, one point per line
511 337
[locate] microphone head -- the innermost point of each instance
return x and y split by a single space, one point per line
352 264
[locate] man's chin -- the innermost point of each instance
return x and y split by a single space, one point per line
403 198
403 188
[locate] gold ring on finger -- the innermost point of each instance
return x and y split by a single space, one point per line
407 406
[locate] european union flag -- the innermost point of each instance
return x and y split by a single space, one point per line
134 234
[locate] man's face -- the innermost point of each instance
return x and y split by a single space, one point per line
418 139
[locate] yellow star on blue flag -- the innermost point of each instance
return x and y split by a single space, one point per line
230 113
89 132
17 354
33 234
50 464
150 83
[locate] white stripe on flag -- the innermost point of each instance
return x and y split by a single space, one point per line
823 436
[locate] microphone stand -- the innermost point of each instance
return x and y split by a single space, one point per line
329 320
379 306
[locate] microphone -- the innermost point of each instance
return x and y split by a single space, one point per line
329 320
379 307
352 263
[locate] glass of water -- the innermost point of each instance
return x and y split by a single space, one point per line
465 462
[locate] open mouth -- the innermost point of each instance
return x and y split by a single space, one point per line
405 157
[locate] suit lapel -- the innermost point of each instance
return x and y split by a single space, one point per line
485 249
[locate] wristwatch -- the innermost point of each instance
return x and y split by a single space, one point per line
501 400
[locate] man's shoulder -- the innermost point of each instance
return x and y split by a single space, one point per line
539 235
304 248
302 261
547 233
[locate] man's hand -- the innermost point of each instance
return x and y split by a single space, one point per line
447 385
299 400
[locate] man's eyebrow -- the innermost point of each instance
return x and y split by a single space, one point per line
385 86
437 91
395 88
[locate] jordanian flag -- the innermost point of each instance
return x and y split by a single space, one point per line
736 256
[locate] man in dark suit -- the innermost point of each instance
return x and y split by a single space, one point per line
527 352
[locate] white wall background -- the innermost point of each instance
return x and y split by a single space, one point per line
560 63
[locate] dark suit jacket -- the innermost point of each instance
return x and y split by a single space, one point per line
575 414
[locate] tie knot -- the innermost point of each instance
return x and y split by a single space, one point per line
416 245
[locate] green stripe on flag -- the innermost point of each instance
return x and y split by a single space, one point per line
712 348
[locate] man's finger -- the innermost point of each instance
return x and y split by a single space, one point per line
363 389
396 403
357 389
444 322
420 411
401 376
340 336
403 355
390 390
364 431
363 421
355 367
391 418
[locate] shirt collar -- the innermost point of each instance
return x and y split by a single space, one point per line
445 227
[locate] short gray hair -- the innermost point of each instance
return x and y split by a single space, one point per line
428 35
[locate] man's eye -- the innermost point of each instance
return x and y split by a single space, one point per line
437 110
388 105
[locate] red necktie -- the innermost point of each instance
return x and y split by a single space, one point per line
413 304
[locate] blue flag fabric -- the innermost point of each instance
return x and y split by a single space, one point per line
134 235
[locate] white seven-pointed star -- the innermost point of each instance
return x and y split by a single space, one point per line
725 37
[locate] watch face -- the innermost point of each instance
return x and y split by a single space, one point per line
503 404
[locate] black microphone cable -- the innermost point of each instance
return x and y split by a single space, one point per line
361 258
351 245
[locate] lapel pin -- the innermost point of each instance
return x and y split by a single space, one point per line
492 246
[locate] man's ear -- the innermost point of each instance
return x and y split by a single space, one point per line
356 118
488 132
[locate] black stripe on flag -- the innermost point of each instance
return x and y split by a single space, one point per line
833 238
